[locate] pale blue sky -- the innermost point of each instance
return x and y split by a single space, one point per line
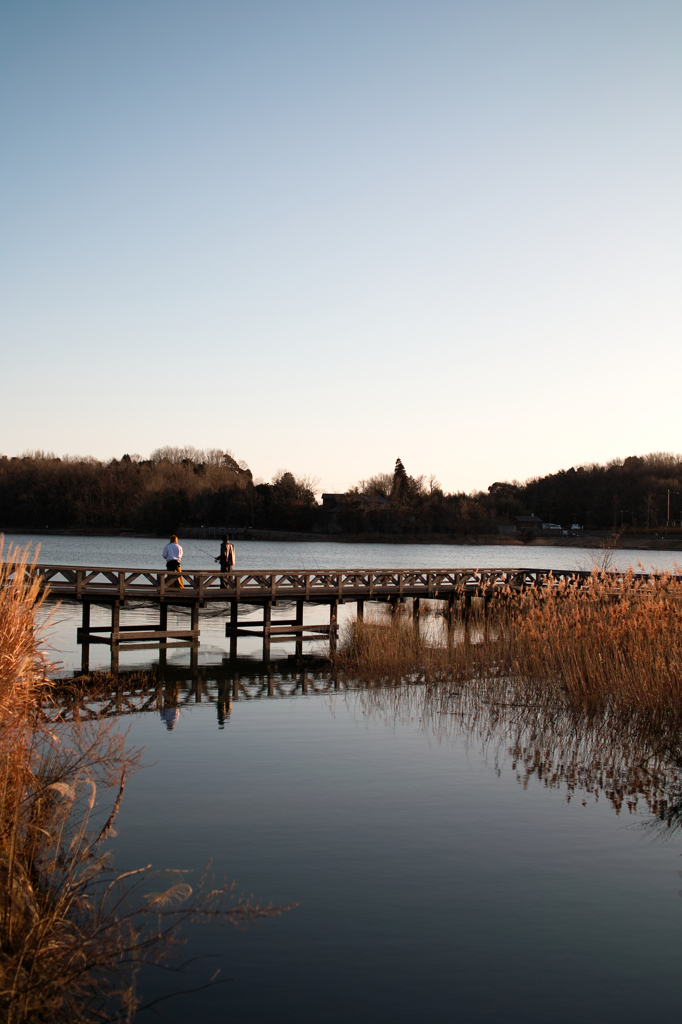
326 234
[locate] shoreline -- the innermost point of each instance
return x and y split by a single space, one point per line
594 540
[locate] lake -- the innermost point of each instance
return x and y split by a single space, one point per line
449 862
436 877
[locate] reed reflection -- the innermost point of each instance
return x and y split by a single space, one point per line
630 759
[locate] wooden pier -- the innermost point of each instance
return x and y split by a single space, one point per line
118 588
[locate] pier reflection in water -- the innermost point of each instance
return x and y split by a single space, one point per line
168 688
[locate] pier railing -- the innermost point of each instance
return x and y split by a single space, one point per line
103 583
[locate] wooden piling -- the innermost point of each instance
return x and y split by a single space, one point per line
299 635
333 624
234 623
85 636
267 625
115 621
194 617
115 633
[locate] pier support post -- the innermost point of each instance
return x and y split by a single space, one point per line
85 637
194 626
115 634
234 622
467 618
194 619
115 621
360 610
415 614
333 625
163 627
450 617
299 635
267 620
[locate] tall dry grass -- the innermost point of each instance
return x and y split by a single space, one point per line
74 932
613 639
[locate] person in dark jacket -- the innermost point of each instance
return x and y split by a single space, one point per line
226 556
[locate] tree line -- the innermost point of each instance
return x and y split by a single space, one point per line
189 487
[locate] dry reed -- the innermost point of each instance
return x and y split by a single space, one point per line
612 639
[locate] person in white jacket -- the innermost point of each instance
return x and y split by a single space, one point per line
173 554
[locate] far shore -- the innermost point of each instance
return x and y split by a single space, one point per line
591 540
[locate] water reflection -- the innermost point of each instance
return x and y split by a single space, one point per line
167 689
624 757
628 759
170 716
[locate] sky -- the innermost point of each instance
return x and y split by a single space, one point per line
325 234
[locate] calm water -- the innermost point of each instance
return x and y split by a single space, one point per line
434 883
124 552
144 553
432 886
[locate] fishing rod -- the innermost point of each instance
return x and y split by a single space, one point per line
210 553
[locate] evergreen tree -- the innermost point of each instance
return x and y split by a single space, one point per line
399 481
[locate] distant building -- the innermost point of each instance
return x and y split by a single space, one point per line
334 505
528 522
